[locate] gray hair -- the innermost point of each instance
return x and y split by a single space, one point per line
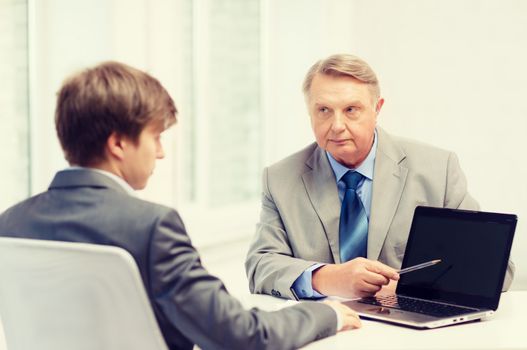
343 65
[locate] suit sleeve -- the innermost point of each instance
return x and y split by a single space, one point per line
270 265
457 196
198 305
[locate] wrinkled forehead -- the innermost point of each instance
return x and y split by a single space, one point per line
327 89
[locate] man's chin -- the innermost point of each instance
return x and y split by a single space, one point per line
139 187
348 159
342 153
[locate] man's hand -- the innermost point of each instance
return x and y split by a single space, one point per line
348 317
388 289
355 278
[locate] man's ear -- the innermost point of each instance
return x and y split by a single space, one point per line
115 146
379 105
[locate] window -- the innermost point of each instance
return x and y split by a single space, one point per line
14 150
223 143
221 155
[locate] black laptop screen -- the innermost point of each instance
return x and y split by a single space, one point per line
474 250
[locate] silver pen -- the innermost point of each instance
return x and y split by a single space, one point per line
419 266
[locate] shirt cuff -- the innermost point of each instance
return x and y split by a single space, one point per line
303 284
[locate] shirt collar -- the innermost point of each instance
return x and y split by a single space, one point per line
114 177
366 167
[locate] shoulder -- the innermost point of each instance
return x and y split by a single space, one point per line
295 163
142 209
146 206
157 227
16 212
412 151
285 176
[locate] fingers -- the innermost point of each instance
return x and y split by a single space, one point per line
388 289
367 289
361 277
350 319
382 269
375 278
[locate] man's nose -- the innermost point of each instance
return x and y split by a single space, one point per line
338 122
160 152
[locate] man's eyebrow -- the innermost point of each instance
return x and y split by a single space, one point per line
347 103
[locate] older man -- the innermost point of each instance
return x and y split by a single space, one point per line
336 215
109 121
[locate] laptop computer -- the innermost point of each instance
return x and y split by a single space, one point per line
474 249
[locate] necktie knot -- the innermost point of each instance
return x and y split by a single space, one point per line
352 179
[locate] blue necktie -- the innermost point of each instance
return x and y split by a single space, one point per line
353 229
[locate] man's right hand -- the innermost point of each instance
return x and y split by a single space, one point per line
348 317
359 277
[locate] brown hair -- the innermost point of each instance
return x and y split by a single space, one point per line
343 65
110 97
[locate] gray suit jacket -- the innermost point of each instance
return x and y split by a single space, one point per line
191 306
299 220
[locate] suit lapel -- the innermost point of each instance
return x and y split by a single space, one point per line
389 178
322 191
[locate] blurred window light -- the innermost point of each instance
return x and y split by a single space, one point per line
223 142
221 153
14 111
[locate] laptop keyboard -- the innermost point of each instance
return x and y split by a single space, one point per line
416 305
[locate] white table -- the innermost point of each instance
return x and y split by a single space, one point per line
506 330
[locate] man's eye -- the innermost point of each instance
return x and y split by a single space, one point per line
350 109
323 109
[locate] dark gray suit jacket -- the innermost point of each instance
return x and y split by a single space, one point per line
191 306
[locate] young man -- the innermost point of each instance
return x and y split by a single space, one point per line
109 120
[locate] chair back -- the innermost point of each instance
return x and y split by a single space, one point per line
65 296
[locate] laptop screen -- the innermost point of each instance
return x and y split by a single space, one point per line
474 249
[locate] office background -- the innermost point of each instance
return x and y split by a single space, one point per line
452 72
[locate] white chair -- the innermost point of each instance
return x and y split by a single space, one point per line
73 296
